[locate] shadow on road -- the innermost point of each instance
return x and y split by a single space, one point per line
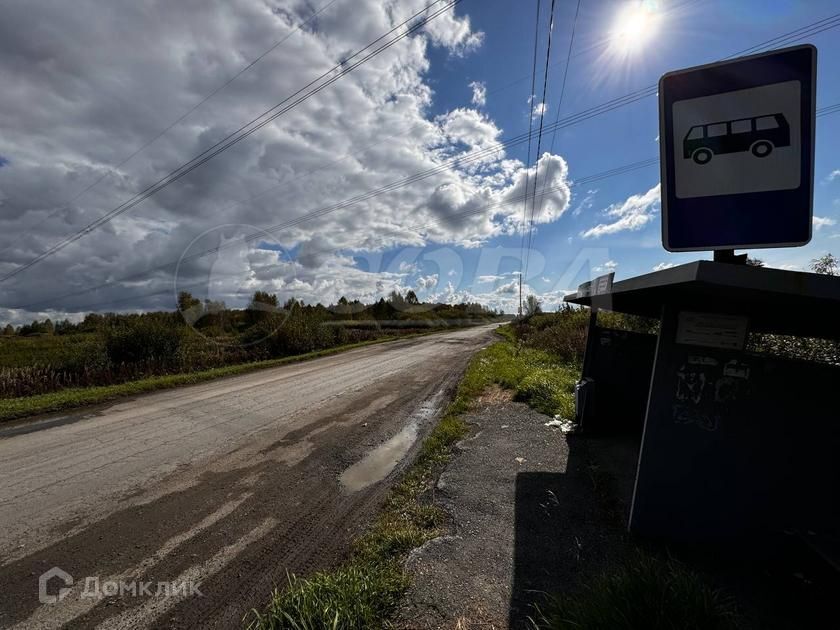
570 526
566 528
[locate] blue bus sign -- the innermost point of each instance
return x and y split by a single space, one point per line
737 152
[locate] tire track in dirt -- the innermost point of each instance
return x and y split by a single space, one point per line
290 513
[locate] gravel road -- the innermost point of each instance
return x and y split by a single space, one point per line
227 485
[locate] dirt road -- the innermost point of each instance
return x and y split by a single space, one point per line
223 486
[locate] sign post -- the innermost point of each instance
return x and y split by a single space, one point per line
737 152
720 456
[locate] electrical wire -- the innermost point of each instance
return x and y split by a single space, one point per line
620 170
169 127
571 120
531 97
554 132
539 139
414 23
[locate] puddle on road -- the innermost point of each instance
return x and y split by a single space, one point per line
377 464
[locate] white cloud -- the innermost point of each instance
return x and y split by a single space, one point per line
586 203
833 175
539 110
510 288
821 222
663 265
77 111
631 215
607 267
469 127
455 33
479 93
427 282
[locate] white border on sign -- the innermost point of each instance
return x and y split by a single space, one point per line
663 167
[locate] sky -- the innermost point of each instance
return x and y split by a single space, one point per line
396 175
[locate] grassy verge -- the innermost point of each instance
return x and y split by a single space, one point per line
644 592
365 591
12 408
537 378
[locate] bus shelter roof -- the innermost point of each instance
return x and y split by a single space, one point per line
784 302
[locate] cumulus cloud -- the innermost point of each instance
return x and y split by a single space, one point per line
427 282
630 215
469 127
607 267
455 33
508 288
539 110
78 111
821 222
835 174
663 265
479 93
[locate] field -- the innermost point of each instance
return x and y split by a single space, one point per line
46 366
41 350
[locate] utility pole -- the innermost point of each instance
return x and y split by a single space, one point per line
520 295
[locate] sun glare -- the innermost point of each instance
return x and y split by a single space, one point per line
635 25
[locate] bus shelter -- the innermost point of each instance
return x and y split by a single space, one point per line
733 441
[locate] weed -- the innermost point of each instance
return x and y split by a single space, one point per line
645 593
365 591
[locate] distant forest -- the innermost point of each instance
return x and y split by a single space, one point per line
109 348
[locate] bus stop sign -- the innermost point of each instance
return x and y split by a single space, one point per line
737 152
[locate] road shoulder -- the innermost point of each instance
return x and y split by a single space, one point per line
525 521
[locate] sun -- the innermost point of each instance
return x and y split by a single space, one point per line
635 25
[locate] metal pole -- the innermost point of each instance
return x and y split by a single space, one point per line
729 256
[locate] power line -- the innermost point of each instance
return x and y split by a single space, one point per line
620 170
411 25
554 132
595 45
539 140
808 30
626 168
571 120
831 109
480 154
166 130
827 110
580 117
531 97
565 76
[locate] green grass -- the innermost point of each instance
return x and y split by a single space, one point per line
46 349
364 592
645 593
352 596
12 408
537 378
